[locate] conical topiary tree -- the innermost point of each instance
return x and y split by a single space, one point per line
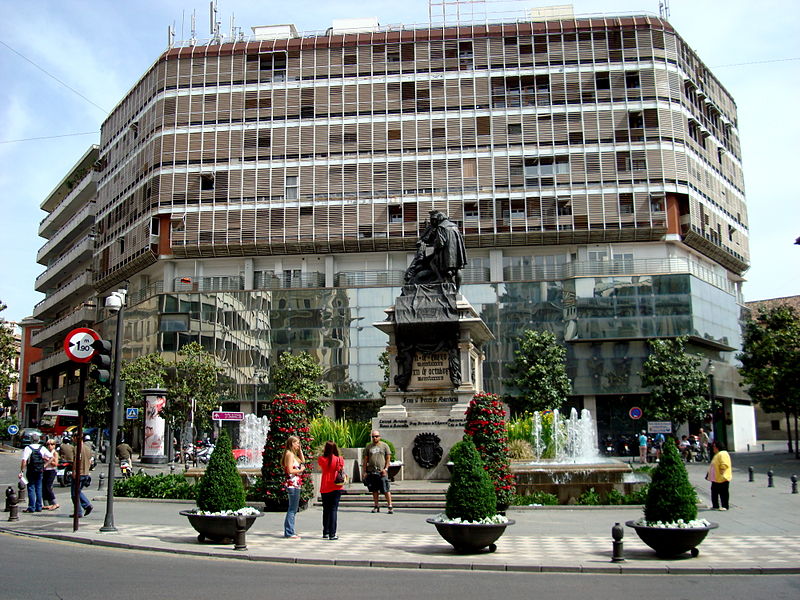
221 487
670 496
486 425
288 415
470 495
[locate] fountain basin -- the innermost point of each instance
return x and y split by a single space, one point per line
568 481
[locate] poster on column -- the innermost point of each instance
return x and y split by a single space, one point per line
154 426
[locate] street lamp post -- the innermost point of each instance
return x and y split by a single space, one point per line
115 303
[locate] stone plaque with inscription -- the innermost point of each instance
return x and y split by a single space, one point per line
430 371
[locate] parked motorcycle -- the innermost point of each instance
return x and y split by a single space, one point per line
203 453
126 468
64 473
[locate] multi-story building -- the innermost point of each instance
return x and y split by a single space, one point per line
50 379
265 194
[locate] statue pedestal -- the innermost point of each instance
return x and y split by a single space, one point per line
431 403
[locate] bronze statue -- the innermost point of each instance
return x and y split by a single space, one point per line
448 256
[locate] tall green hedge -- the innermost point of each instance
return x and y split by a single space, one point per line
470 496
671 496
221 488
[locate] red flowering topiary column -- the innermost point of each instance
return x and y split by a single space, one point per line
288 415
486 425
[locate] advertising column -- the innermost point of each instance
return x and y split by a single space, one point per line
154 426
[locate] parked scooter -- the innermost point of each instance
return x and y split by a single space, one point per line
64 473
204 450
125 467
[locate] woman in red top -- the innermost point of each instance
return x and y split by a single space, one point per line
330 462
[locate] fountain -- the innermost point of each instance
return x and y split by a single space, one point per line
566 459
252 436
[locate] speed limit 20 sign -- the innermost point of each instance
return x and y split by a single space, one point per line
78 344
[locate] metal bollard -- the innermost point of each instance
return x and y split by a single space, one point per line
770 483
239 540
750 471
9 492
748 447
13 504
794 484
617 533
172 469
100 481
763 447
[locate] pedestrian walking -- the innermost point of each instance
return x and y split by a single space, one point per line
84 506
377 457
49 476
705 448
293 465
720 475
31 471
331 463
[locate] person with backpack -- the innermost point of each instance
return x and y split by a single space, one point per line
31 471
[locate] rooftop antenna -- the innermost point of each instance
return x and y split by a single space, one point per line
663 9
171 36
193 39
213 22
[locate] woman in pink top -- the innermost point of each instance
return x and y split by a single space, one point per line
330 462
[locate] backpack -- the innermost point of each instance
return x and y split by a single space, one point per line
36 460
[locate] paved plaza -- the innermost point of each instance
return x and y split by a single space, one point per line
759 535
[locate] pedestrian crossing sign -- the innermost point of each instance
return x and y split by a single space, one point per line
131 413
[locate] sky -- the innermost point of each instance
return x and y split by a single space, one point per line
65 64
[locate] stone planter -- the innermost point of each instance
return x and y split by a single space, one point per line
216 528
468 538
672 542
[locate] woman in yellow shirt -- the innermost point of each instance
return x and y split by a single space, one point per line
719 474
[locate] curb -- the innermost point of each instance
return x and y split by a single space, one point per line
608 569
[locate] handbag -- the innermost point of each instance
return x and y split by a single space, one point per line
341 477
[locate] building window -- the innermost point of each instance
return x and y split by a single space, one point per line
602 81
515 129
564 207
470 210
656 203
626 204
635 120
545 166
517 209
206 181
632 81
631 161
393 134
291 187
395 214
775 424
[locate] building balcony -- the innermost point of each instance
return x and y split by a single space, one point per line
76 257
80 194
78 288
344 279
50 361
82 316
82 219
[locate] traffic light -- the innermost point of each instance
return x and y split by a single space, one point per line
102 362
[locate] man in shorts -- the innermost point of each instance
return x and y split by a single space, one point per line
376 467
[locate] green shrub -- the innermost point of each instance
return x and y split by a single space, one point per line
221 488
589 498
142 485
637 497
346 434
614 497
470 495
543 498
670 497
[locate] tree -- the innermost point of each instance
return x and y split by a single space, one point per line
221 488
679 390
770 360
300 374
470 495
539 373
8 354
193 382
670 496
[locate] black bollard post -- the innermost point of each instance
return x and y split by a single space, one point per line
9 492
100 481
770 483
13 504
748 447
794 484
172 469
763 447
750 474
240 541
616 534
